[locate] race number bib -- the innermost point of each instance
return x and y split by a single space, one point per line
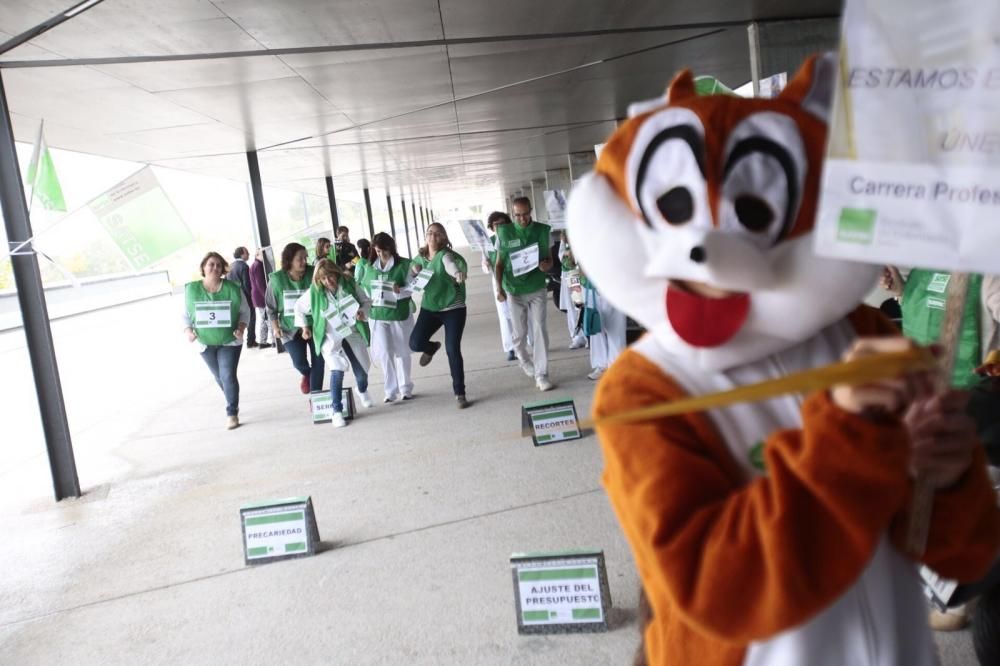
524 261
420 280
288 297
212 314
383 295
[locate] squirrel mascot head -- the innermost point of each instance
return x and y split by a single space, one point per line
697 221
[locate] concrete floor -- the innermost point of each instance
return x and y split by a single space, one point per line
419 507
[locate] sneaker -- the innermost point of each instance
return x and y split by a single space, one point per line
543 383
265 345
251 345
595 374
365 399
528 368
390 398
304 384
426 357
232 422
338 420
407 396
578 343
461 401
511 356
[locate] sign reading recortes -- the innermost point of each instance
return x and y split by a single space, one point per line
550 421
560 592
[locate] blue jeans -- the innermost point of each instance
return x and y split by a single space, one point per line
337 379
314 368
222 361
453 321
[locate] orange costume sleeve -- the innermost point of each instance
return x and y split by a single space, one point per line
786 545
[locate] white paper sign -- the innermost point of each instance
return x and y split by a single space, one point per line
288 297
383 294
565 591
912 174
275 532
476 234
419 281
212 314
524 261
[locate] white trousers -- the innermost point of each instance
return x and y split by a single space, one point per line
527 313
503 314
391 350
610 342
572 313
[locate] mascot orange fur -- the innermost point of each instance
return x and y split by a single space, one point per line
763 533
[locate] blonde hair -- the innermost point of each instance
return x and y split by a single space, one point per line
323 268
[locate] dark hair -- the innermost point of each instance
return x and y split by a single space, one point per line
425 251
213 255
238 252
495 216
343 228
320 241
364 248
289 253
383 241
524 201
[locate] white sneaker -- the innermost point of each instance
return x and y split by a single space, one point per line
543 383
390 398
365 399
338 420
528 368
578 343
596 374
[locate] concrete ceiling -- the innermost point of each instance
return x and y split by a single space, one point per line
440 94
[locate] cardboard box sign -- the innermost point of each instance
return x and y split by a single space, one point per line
550 421
322 405
560 593
278 530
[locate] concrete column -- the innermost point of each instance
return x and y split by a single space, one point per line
35 315
332 198
782 46
580 164
406 223
368 209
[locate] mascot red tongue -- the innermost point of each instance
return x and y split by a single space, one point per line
701 321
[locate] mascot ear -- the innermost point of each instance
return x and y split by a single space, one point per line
681 87
813 85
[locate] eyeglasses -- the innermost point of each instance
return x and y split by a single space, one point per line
522 216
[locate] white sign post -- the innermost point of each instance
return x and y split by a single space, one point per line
557 593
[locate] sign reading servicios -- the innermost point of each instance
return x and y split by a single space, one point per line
560 592
278 529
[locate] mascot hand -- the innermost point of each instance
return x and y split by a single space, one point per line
889 396
942 437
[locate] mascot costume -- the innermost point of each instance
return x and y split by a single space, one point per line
763 533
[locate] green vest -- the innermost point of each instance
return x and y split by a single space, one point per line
282 285
360 268
214 317
442 291
320 303
397 275
923 311
513 238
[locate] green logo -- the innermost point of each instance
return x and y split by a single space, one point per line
856 225
756 457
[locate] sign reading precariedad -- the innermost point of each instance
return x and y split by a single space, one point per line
322 405
912 175
564 592
141 220
278 530
550 421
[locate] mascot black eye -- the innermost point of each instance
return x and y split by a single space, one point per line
753 212
677 205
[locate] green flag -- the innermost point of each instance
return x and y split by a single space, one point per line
42 177
709 85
